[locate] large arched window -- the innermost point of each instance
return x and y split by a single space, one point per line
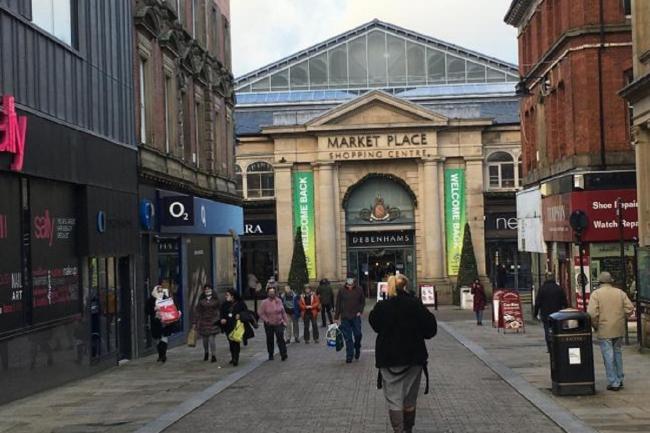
501 170
239 184
259 180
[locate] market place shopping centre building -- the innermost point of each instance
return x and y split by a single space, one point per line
379 144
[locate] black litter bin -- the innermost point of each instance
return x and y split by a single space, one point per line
572 354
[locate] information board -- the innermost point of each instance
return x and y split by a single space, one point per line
511 317
428 295
382 291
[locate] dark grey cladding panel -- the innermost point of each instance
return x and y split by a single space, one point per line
251 122
501 111
89 85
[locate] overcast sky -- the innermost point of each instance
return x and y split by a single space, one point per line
264 31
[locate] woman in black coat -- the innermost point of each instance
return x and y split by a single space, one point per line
232 310
402 324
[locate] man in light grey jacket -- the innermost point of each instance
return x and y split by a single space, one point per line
609 308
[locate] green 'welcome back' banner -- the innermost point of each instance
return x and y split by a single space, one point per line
304 216
455 216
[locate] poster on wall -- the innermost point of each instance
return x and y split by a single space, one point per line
55 264
382 291
304 216
11 283
455 216
199 260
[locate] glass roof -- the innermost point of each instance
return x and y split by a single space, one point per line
378 59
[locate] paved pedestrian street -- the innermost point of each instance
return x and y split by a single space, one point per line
315 391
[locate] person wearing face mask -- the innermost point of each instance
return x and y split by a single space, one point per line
350 302
309 307
159 331
206 320
275 320
231 311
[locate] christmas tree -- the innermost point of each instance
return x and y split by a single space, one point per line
298 275
468 269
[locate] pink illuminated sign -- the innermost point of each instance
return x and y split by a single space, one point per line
12 132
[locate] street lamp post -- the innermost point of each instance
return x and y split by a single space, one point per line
578 222
621 239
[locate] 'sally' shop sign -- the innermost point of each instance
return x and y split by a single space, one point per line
13 129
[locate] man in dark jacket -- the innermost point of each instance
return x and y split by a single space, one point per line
326 296
402 324
549 299
350 302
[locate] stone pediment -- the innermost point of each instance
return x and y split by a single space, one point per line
377 109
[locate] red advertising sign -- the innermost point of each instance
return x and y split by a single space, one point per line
600 207
511 317
12 132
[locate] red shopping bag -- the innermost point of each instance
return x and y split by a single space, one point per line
167 311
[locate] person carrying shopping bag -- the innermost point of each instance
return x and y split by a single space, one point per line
231 312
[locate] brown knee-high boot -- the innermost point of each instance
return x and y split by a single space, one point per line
409 421
396 420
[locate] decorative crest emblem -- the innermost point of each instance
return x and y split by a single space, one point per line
379 211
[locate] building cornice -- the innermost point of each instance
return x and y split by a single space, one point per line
518 11
552 56
637 89
159 21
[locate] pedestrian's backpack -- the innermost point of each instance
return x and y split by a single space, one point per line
334 337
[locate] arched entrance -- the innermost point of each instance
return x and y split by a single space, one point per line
380 229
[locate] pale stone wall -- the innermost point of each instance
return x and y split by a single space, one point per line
458 144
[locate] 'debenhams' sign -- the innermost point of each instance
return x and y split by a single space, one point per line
381 239
12 132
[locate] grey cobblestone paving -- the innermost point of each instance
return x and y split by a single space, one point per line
315 391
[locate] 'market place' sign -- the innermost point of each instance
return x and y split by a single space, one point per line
376 146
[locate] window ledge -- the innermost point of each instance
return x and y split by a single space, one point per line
74 51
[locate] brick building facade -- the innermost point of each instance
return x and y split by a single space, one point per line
574 59
184 101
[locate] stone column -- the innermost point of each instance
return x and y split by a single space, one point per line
326 246
432 221
475 208
284 217
642 148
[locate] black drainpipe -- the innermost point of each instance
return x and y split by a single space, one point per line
603 161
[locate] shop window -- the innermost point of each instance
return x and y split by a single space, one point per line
435 66
376 59
54 16
501 170
396 58
299 76
357 61
260 180
416 58
239 184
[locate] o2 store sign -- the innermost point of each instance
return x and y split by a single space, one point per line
177 211
13 129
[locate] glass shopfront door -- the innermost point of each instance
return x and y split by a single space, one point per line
371 266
